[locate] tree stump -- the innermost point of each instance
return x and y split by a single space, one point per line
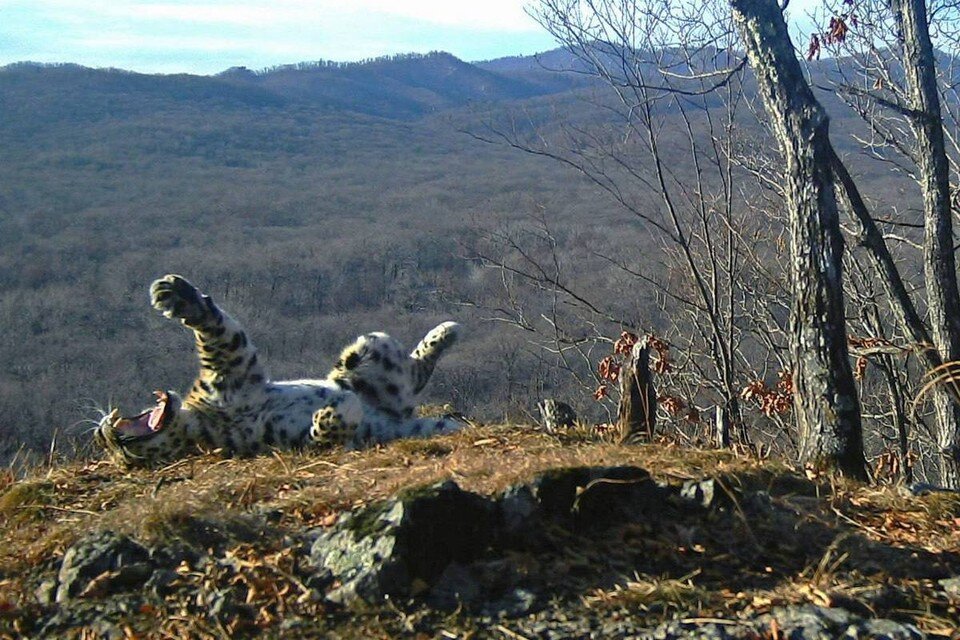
722 428
637 413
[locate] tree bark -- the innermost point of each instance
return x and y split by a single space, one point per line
721 428
637 413
939 265
825 395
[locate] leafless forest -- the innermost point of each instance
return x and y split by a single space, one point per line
546 211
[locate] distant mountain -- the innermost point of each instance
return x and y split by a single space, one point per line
396 87
552 61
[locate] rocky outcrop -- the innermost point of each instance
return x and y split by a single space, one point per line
422 541
805 622
102 564
392 549
442 549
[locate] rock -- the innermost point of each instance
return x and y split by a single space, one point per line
556 415
106 619
700 492
807 622
386 548
811 622
100 564
405 546
951 588
517 602
593 495
161 583
46 592
126 578
518 512
455 587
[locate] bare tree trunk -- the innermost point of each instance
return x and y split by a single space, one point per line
940 269
828 409
898 409
637 413
721 428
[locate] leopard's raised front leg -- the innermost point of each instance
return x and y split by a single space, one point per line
228 360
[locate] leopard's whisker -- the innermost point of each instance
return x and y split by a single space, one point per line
83 421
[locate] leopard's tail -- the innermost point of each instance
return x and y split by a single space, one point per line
429 351
380 428
426 427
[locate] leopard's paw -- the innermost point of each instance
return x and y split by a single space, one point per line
175 297
330 428
337 423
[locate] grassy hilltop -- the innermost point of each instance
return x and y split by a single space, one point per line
769 538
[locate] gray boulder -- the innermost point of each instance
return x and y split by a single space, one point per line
398 547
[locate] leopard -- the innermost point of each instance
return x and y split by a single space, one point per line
234 407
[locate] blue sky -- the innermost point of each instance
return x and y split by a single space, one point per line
171 36
208 36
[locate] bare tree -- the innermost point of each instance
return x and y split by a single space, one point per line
668 101
828 409
890 75
653 56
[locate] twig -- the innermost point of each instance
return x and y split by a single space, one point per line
575 507
731 623
860 525
64 509
324 463
510 634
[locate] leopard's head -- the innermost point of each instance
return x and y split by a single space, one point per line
154 435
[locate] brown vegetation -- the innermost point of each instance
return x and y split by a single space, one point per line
865 549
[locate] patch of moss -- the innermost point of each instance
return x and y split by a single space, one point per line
185 526
942 504
19 497
368 521
423 447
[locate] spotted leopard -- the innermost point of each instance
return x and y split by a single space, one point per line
368 397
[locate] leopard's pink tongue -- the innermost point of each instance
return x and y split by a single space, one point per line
139 426
155 417
146 423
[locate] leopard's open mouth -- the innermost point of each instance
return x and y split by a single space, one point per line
149 422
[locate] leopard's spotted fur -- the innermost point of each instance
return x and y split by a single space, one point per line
368 397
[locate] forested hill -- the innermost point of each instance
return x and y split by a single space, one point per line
314 201
397 87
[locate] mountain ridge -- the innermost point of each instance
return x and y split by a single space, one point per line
398 87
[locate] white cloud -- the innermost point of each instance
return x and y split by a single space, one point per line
149 34
489 14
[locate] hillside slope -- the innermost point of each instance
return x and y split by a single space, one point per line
315 202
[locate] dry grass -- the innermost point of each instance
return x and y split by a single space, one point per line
661 594
838 543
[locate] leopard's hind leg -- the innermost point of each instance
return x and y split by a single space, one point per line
429 351
376 367
338 422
